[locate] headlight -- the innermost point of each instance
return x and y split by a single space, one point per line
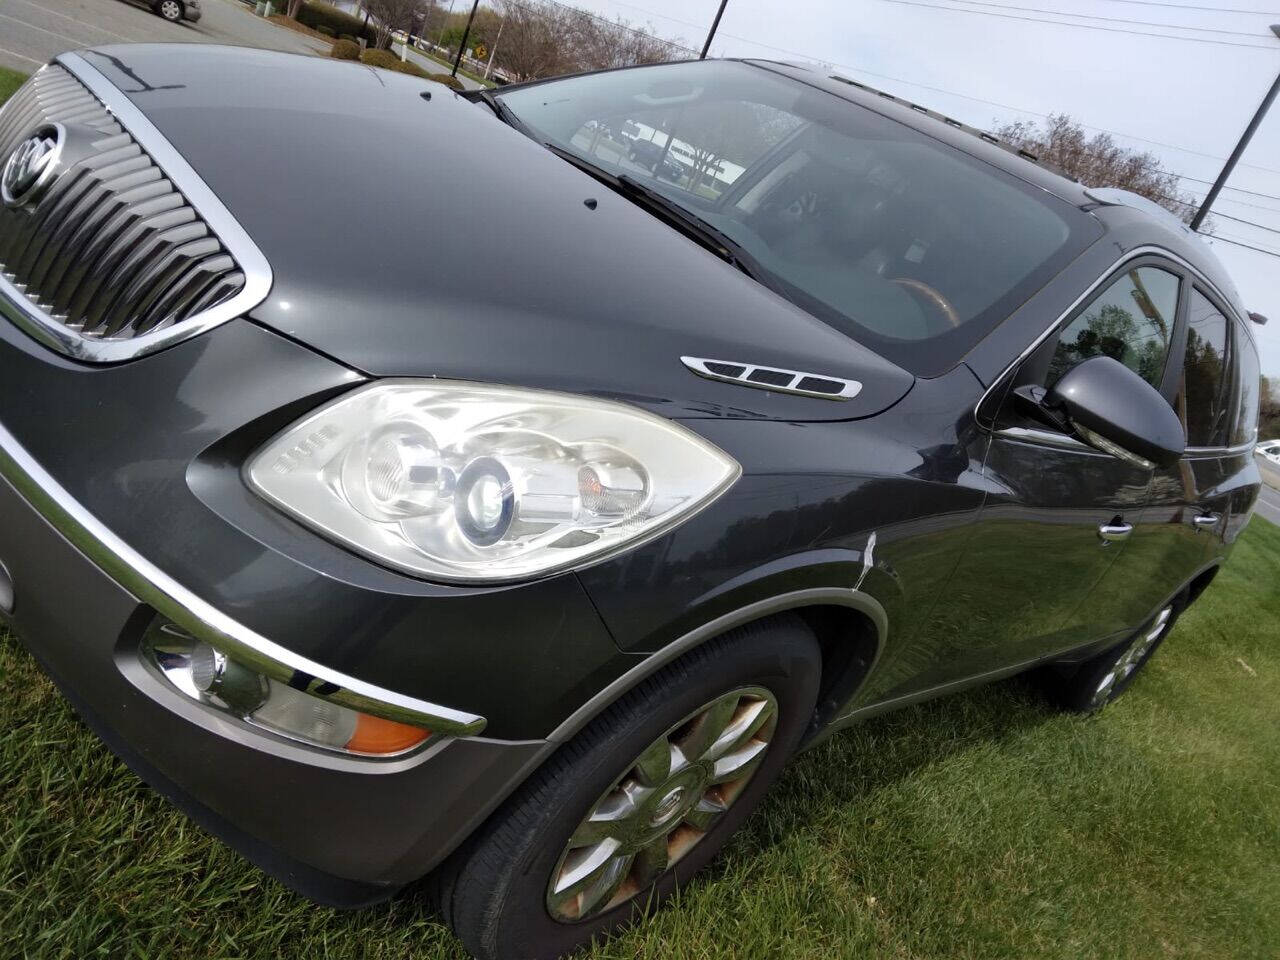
463 482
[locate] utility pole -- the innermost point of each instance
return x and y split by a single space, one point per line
1230 165
493 51
714 26
445 26
465 33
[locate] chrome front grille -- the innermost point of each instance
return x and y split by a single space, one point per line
125 250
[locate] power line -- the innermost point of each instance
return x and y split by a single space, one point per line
1004 106
1250 223
1091 16
1209 183
1246 203
1190 6
1241 243
1218 213
1081 26
1037 113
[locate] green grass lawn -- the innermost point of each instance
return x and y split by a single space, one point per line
985 825
10 80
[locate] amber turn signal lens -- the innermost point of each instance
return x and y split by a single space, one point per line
375 735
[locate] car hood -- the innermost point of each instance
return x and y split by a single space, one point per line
412 233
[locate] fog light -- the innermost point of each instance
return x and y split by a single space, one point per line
219 678
204 673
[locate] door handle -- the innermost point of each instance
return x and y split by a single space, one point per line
1206 521
1112 532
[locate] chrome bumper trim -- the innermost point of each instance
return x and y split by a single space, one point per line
169 598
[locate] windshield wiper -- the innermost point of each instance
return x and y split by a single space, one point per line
668 210
501 109
712 237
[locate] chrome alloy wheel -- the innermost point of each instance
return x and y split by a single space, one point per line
663 805
171 10
1130 660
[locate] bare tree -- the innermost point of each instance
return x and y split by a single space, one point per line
1269 409
542 38
1099 161
388 16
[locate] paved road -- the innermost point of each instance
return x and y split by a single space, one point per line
430 65
33 31
1269 498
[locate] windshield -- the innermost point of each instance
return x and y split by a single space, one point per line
903 243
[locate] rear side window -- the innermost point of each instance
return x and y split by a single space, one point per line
1204 398
1245 429
1132 321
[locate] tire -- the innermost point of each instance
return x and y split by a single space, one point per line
1099 681
500 891
170 10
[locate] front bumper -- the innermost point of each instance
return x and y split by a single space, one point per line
191 14
121 499
340 830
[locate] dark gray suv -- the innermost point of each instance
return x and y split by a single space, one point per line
469 502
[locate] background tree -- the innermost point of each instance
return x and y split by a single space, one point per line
1269 409
542 38
388 16
1098 161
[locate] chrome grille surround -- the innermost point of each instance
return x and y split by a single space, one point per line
127 250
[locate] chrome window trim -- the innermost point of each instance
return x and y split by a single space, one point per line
169 598
1134 254
257 272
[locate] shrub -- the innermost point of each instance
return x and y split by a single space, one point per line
380 58
347 36
447 80
412 69
327 31
318 16
345 50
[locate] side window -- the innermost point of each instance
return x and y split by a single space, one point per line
1245 429
1204 397
1132 321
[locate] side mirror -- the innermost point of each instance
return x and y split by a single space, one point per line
1113 409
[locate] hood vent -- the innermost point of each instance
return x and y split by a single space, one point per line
774 378
110 245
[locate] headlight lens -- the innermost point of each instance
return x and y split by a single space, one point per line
464 482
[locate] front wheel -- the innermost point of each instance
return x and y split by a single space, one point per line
640 800
171 10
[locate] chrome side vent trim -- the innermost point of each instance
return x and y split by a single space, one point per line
124 250
773 378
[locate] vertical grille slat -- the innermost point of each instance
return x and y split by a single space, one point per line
112 250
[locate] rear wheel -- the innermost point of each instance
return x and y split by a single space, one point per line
171 10
640 800
1097 682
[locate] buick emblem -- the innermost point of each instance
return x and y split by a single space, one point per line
31 165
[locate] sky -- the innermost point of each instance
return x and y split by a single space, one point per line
1185 96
